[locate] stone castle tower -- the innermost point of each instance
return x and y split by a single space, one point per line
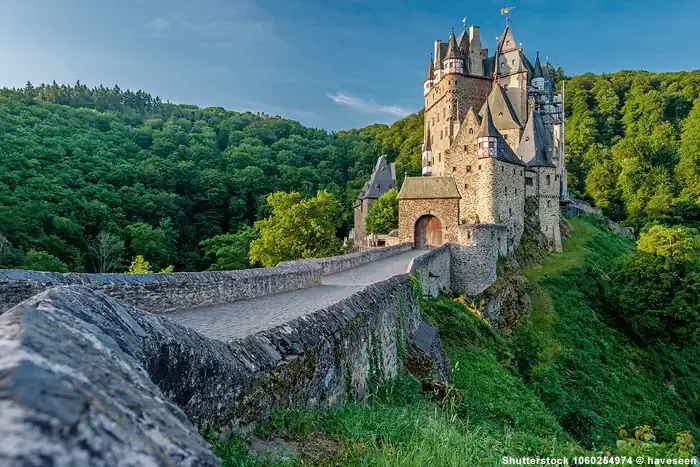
493 143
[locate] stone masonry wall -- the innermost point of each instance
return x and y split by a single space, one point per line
474 257
510 201
333 264
313 360
548 209
433 268
162 293
410 210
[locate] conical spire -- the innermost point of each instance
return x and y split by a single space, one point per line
487 129
536 144
538 73
431 70
452 47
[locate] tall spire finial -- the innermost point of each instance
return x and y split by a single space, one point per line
505 11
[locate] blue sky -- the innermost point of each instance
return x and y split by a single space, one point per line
331 64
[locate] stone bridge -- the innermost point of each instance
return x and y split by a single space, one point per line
115 369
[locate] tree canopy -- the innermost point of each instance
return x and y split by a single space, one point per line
383 215
297 229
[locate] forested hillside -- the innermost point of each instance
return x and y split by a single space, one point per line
94 177
633 140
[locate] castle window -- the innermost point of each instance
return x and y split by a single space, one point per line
528 181
465 186
440 134
516 191
510 212
469 235
469 169
505 137
378 187
512 62
513 170
454 169
471 131
502 168
479 167
439 157
549 203
548 180
506 190
527 138
465 147
556 177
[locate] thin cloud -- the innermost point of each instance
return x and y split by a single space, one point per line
157 25
367 106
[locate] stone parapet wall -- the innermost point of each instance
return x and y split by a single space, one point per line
162 293
334 264
99 360
474 258
433 268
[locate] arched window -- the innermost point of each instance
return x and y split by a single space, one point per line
471 131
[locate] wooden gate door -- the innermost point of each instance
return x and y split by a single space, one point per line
428 233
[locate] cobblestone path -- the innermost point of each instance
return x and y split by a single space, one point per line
238 319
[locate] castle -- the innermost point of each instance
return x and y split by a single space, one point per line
493 139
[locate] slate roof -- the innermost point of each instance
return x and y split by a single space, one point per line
503 114
487 128
452 47
429 188
504 151
538 73
381 181
528 64
431 70
536 145
463 42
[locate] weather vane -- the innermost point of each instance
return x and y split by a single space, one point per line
505 11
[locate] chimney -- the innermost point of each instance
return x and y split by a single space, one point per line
475 51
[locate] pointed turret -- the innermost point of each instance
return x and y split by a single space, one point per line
487 128
453 48
429 81
431 70
427 155
536 144
490 142
453 63
538 72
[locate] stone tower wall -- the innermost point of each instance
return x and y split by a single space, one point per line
475 255
548 205
509 192
446 104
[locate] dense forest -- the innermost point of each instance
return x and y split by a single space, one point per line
91 178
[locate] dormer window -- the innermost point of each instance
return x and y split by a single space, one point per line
377 186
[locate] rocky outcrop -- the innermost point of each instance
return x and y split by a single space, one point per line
73 390
426 358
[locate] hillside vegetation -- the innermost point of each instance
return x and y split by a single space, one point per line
92 178
88 173
571 380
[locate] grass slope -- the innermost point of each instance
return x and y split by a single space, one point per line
559 386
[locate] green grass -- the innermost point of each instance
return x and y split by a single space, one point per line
560 385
